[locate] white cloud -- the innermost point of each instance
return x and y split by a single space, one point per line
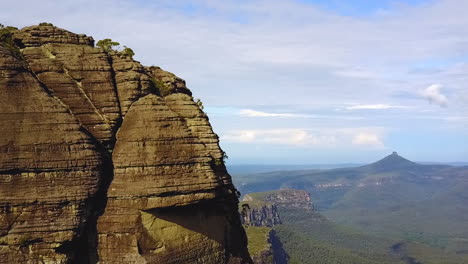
376 106
279 136
240 136
233 111
325 137
254 113
368 139
434 95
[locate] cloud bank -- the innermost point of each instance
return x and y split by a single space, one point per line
254 113
328 138
367 139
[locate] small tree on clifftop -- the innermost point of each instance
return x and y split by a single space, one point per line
127 52
107 44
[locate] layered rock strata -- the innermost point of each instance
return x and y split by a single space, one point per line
105 160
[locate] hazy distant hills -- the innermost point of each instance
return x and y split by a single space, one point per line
328 187
242 169
261 168
393 197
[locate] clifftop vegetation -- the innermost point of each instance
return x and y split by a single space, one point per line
108 45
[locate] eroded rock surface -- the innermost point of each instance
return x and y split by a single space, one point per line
260 215
105 160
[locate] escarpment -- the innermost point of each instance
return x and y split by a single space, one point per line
267 248
105 160
261 209
299 199
265 214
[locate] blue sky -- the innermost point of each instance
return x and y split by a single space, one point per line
299 81
362 7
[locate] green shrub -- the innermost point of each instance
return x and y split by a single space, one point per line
218 162
225 157
107 44
200 104
127 52
46 24
222 160
6 40
164 90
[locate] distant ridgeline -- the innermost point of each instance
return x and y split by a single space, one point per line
390 211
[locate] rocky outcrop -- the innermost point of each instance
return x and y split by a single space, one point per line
79 76
260 209
290 198
103 159
261 215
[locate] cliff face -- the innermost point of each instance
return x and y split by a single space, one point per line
262 210
273 253
287 197
103 159
261 215
290 198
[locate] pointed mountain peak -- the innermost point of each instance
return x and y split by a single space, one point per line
395 158
392 161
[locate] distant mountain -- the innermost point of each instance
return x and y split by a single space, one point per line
391 162
392 197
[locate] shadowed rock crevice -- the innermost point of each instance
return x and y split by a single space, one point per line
279 254
203 225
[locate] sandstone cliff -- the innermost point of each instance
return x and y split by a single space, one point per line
260 213
105 160
264 214
287 197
